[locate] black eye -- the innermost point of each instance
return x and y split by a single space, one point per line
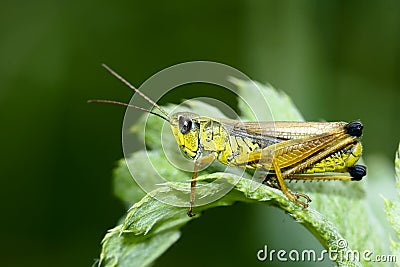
185 124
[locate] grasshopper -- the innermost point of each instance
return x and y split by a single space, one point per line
287 150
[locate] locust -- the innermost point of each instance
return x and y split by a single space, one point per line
286 150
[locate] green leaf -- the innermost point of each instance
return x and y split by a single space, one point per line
258 95
134 250
392 209
339 209
150 221
125 187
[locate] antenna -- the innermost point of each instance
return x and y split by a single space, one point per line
137 91
127 105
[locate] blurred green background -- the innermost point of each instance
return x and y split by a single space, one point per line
338 60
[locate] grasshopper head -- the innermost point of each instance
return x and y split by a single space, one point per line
186 128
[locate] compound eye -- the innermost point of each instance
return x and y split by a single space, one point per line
185 124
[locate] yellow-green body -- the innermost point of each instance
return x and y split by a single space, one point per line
253 145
